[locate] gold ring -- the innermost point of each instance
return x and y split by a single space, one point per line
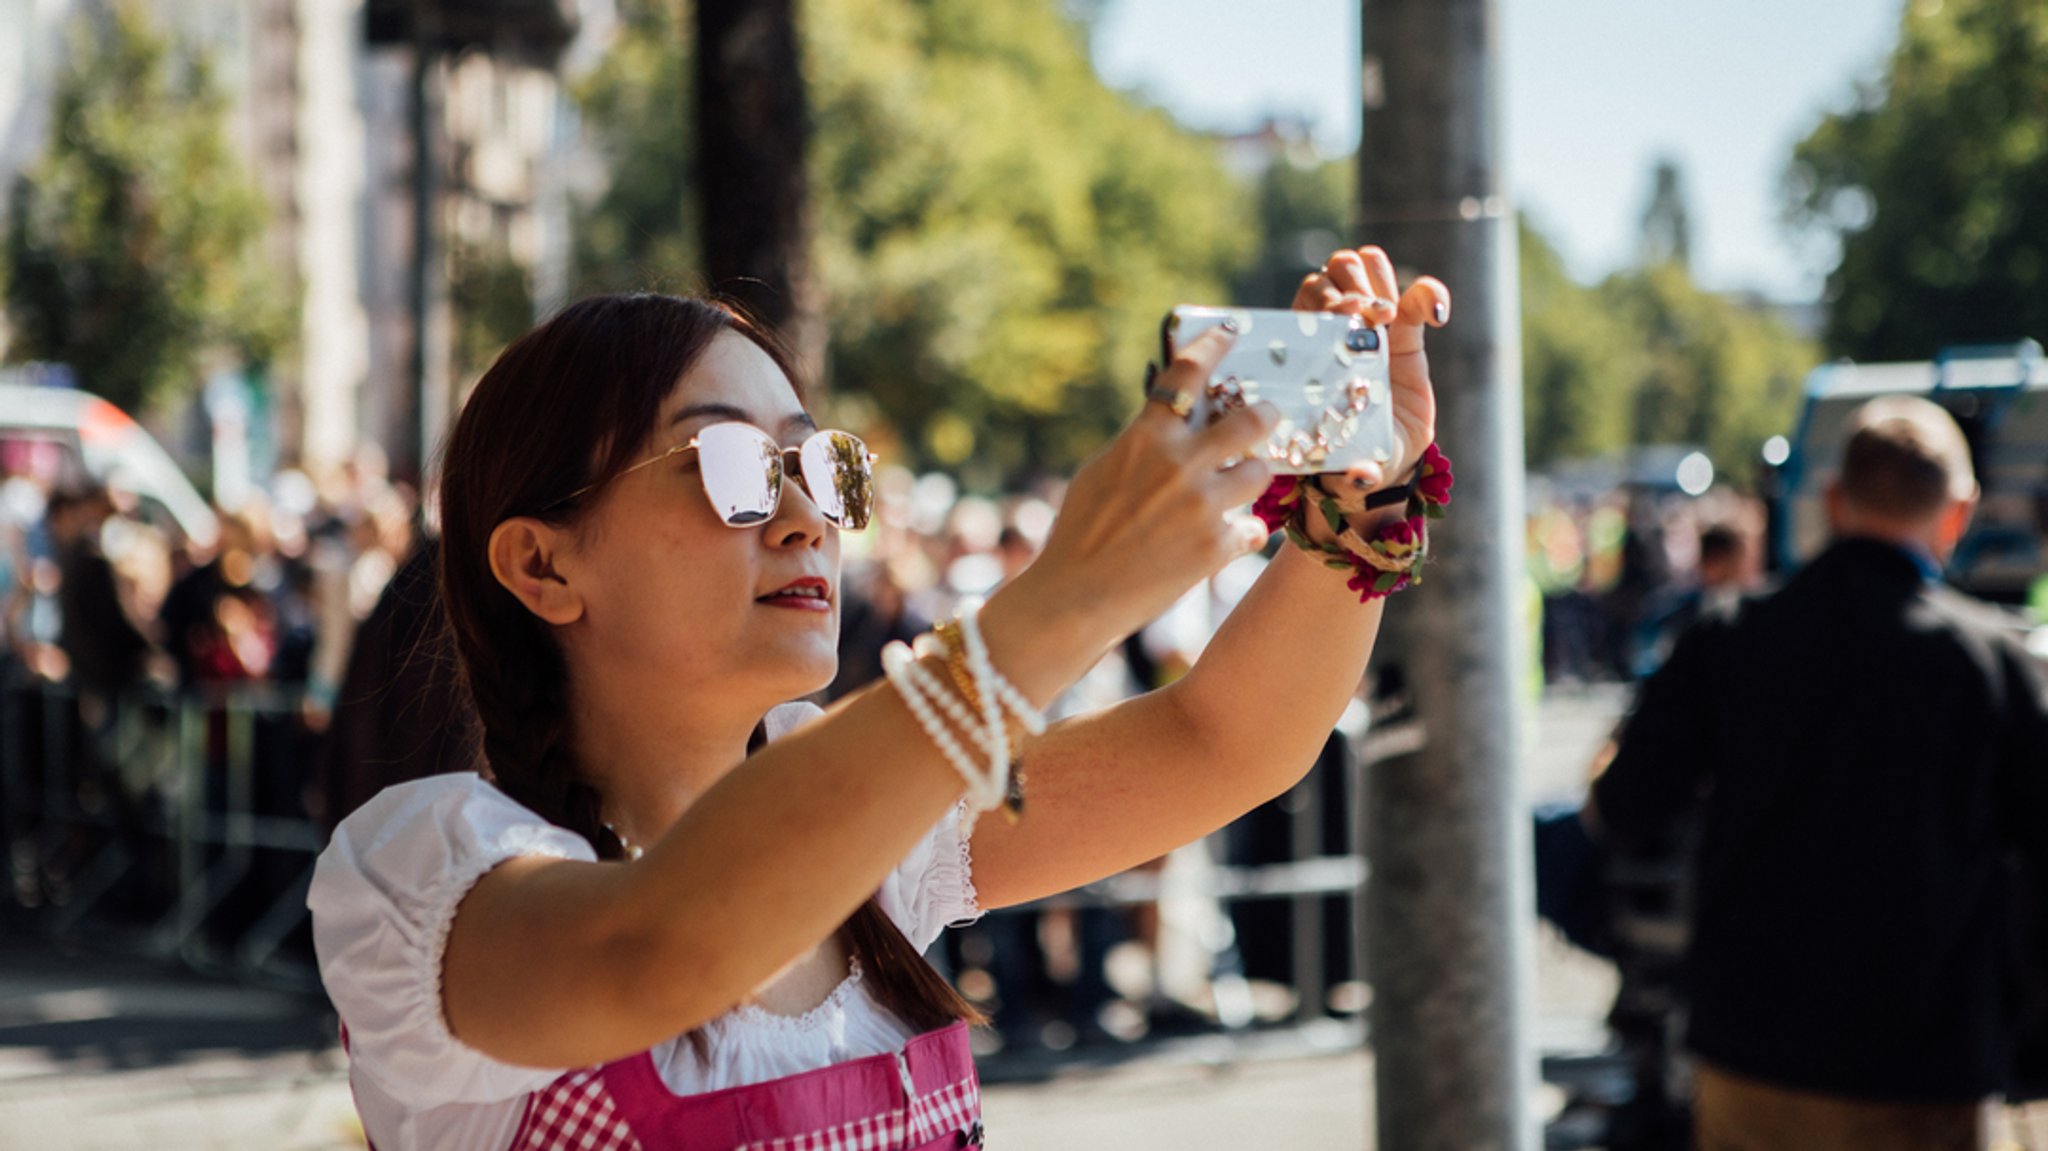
1177 402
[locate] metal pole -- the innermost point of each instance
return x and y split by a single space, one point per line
1449 905
427 400
1306 912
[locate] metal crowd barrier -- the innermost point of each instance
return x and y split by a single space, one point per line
1306 885
136 835
1315 875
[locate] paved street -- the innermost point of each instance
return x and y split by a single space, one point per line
103 1055
171 1064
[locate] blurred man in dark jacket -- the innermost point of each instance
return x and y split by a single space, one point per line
1865 753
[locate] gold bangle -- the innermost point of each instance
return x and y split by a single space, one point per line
955 645
950 638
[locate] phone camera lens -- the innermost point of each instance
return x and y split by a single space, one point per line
1363 340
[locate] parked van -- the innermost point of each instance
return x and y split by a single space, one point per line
2000 397
98 443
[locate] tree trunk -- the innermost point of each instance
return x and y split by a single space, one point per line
753 126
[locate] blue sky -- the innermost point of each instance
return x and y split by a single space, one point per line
1595 91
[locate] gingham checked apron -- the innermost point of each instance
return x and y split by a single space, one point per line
922 1099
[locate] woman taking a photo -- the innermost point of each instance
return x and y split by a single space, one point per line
681 912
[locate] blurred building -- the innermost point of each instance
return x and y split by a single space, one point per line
1276 139
353 114
465 112
295 68
27 74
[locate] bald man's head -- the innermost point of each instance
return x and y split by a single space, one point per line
1906 461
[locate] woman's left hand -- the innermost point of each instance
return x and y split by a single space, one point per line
1362 283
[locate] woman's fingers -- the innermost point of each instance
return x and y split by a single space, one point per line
1242 482
1426 303
1317 294
1379 273
1340 287
1364 476
1174 391
1368 276
1235 434
1345 275
1246 533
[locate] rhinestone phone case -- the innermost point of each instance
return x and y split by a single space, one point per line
1326 372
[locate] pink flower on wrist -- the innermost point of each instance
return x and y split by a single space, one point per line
1371 585
1278 503
1402 537
1433 481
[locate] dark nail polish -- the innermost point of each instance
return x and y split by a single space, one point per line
1443 312
1358 482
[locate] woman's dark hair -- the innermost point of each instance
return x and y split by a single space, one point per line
566 407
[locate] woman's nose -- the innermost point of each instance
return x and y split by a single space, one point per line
798 520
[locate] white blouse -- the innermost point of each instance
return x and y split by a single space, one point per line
384 896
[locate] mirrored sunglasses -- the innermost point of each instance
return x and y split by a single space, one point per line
742 469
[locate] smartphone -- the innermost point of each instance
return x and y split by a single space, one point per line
1326 372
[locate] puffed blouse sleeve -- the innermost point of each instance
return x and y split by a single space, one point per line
933 888
383 898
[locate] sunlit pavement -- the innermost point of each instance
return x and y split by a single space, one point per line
97 1054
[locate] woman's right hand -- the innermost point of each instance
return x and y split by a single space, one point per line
1157 510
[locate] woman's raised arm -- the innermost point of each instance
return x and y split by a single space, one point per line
1113 789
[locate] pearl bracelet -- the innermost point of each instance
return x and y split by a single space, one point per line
980 702
985 786
985 791
1012 700
988 694
960 642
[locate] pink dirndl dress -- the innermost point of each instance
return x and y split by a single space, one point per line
924 1098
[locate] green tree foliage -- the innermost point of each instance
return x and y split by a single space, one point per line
1706 369
1304 213
998 233
640 232
492 299
1936 183
1580 362
132 246
1649 357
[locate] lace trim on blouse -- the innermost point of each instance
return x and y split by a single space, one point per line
754 1015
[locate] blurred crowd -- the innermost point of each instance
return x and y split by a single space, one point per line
313 607
1621 573
312 611
98 593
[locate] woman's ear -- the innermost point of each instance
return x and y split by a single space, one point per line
523 552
